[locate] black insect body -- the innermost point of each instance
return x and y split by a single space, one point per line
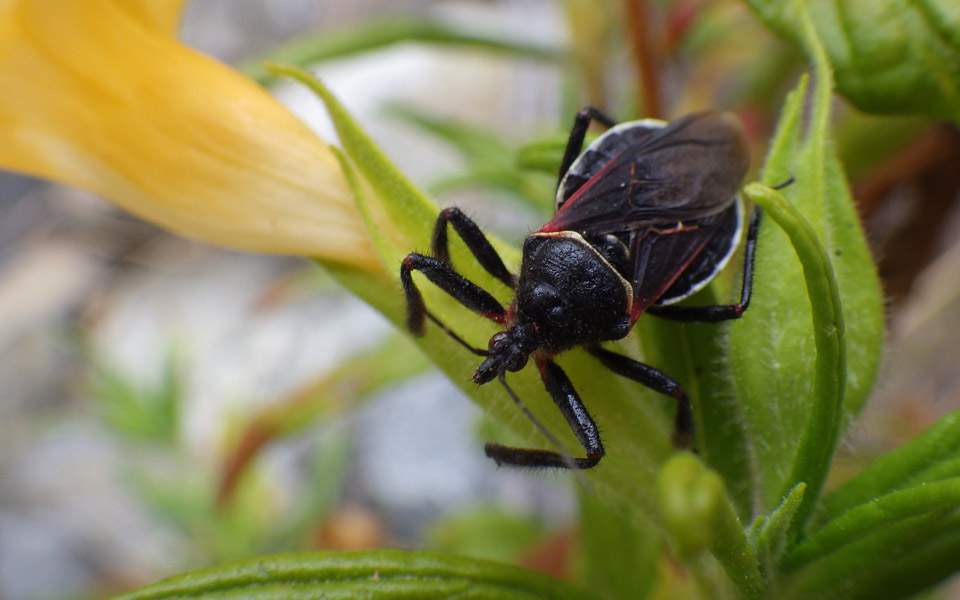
646 215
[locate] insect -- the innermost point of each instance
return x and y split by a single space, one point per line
645 216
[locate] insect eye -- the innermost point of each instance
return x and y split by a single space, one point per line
496 339
519 361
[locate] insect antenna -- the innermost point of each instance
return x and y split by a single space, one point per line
456 338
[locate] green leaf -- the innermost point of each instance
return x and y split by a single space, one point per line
860 521
635 421
928 457
379 34
771 534
789 394
889 56
386 574
895 561
819 438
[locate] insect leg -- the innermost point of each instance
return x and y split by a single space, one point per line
573 410
785 183
459 287
723 312
656 381
577 134
476 242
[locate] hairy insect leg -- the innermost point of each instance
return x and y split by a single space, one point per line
722 312
655 380
476 242
568 401
578 133
456 285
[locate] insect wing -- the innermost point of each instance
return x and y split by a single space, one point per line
601 152
690 169
671 264
711 259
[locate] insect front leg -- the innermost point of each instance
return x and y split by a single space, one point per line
456 285
578 133
655 380
564 395
723 312
476 242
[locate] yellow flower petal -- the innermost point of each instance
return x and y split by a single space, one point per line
162 15
98 94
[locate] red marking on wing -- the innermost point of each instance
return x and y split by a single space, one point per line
557 222
662 264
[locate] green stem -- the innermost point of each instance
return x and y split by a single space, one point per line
822 432
735 555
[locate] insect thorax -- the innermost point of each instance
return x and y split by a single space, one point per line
571 292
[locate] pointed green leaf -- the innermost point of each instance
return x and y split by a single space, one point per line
861 520
892 562
383 574
819 436
772 533
928 457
